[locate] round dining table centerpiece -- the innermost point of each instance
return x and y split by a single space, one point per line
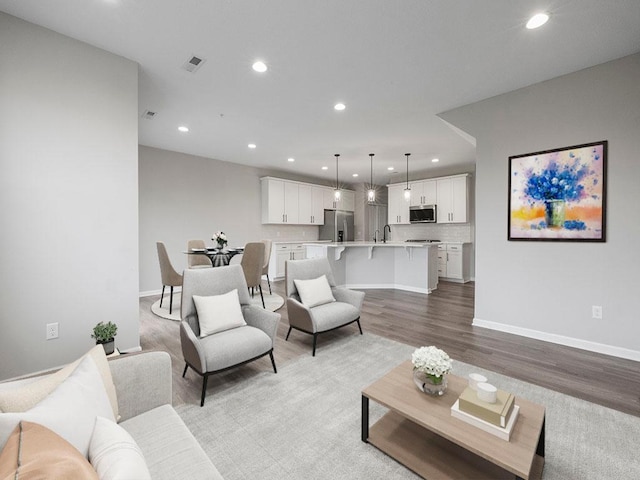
430 368
221 239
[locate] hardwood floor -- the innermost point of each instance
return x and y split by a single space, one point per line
443 319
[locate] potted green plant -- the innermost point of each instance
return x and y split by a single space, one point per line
105 333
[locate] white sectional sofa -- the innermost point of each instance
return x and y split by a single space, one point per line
144 395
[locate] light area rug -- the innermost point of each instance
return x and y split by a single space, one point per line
272 302
304 422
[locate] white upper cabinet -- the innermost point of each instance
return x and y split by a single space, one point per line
310 204
289 202
398 207
452 199
423 193
347 200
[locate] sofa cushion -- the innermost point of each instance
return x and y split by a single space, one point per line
34 451
234 346
314 292
332 315
169 448
21 396
217 313
70 410
114 454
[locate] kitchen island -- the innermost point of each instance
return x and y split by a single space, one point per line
404 266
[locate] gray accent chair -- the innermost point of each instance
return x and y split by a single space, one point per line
322 318
230 348
169 275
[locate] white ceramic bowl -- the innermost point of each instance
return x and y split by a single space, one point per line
475 379
487 392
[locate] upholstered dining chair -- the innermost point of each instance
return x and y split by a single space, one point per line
197 261
315 304
217 336
170 277
267 256
252 265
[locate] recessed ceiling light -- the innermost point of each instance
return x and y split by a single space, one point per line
355 175
325 168
537 20
435 160
291 159
183 129
259 66
339 106
252 145
389 168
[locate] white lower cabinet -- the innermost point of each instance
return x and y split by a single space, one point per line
280 253
454 261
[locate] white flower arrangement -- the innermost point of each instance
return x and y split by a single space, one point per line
431 361
220 238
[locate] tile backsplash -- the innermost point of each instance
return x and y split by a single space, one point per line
443 232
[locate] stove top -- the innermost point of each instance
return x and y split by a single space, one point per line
422 241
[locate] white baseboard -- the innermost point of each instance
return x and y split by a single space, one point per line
619 352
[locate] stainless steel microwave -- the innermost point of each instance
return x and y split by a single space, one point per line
422 214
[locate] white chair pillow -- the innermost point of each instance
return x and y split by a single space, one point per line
314 292
219 312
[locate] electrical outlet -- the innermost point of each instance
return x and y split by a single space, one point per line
52 331
596 312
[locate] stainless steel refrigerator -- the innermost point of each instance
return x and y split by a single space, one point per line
338 226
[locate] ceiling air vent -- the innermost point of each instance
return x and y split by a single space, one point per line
149 115
193 64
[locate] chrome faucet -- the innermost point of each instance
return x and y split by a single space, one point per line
384 233
375 235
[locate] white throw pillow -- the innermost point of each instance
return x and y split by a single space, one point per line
114 454
70 410
219 312
314 292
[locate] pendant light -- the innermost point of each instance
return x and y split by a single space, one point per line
371 194
336 192
407 191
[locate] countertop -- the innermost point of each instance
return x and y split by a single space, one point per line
372 244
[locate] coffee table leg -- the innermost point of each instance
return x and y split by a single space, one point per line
540 449
365 418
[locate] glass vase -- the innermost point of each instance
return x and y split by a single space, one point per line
430 384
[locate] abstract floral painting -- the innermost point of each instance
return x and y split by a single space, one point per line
558 195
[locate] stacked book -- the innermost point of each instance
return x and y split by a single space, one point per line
496 418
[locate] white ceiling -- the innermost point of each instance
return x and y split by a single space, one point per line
394 63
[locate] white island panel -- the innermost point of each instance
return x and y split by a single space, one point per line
365 265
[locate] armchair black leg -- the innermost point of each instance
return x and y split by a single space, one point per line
171 301
204 389
261 296
162 297
315 338
359 327
273 362
287 338
269 283
186 365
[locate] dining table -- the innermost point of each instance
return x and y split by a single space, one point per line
219 257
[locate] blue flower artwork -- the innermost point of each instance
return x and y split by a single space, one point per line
558 194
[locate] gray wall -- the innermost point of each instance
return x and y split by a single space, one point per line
185 197
68 190
542 289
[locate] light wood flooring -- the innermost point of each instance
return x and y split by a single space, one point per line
443 319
